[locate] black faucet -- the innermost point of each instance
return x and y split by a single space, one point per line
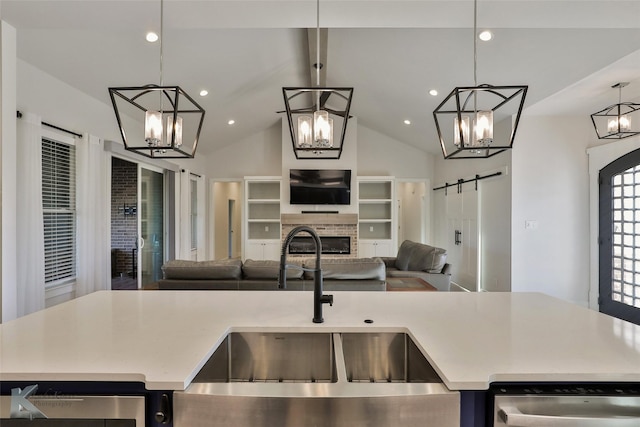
318 297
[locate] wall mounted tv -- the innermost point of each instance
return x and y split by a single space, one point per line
320 187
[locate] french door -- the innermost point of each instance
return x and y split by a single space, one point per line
619 229
151 224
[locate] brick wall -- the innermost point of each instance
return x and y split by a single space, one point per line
124 187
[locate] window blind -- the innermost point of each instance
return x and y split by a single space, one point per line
59 210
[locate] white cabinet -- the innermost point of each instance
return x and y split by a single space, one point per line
376 216
262 218
262 249
375 248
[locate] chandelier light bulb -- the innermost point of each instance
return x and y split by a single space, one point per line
153 128
461 129
322 129
619 124
483 127
304 131
177 142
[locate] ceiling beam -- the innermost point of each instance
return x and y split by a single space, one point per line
313 52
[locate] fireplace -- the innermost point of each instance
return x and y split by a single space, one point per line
338 234
303 245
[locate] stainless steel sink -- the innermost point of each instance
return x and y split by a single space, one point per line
385 357
321 379
271 357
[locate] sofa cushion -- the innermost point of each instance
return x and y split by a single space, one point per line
413 256
348 269
269 269
404 252
201 270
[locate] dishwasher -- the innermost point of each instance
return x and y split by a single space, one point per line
565 405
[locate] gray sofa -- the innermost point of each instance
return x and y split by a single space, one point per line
422 261
349 274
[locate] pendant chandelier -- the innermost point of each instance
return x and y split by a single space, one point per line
158 121
619 120
317 115
478 121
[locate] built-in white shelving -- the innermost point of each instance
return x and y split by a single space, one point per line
376 216
262 213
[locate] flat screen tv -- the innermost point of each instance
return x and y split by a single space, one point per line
320 186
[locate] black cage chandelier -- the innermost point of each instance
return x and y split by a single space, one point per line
619 120
158 121
478 121
317 115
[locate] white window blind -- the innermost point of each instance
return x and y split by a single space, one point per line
59 209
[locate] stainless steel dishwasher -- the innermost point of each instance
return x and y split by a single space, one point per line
72 411
568 405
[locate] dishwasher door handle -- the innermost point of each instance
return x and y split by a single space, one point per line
513 417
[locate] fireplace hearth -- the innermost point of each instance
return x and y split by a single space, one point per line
336 245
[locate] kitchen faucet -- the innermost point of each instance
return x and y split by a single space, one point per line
318 297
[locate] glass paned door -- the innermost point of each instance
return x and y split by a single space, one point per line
620 238
151 243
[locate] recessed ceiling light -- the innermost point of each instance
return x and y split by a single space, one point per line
407 122
485 36
230 122
152 37
433 92
204 92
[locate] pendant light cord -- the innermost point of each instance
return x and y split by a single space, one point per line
318 43
161 36
475 42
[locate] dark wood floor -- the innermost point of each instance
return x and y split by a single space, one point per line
124 283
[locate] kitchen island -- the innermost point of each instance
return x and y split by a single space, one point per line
163 338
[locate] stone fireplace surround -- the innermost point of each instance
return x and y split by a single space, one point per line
325 224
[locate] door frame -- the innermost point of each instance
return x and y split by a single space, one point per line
212 215
426 213
605 265
165 243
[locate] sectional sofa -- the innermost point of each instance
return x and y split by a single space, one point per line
422 261
348 274
340 274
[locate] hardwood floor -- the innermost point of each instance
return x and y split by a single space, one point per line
124 283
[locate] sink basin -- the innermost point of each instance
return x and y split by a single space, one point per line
271 357
333 379
385 357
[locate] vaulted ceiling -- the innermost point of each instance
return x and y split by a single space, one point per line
569 52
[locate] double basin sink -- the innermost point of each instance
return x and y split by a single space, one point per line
318 379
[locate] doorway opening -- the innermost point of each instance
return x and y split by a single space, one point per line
227 219
414 218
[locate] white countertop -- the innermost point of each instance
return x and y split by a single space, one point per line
163 338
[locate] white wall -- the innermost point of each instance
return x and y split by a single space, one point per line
380 155
550 186
8 170
257 155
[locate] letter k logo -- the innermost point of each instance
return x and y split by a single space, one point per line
21 407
